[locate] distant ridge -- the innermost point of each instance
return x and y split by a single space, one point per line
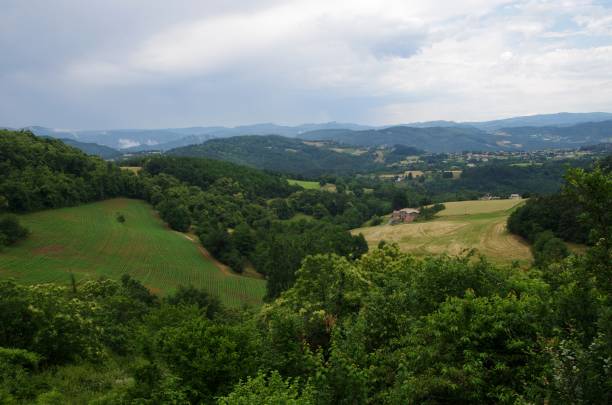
135 140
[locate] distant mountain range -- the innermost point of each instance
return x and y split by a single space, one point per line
562 130
462 138
137 140
433 139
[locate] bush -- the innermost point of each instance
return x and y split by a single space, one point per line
120 218
11 230
376 220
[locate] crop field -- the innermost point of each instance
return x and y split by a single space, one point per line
477 207
89 242
462 225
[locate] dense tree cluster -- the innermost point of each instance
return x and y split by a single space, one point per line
11 230
557 213
565 215
39 173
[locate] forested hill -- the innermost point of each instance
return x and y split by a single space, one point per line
589 133
280 154
206 173
433 139
40 173
102 151
462 138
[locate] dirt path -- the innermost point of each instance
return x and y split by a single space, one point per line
222 267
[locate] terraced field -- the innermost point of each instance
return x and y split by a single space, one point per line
462 225
89 242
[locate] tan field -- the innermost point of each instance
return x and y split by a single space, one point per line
478 207
461 226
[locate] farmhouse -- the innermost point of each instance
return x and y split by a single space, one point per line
405 215
515 196
488 197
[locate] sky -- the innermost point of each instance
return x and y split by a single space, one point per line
103 64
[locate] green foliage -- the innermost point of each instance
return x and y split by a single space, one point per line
547 249
280 154
428 213
208 357
474 350
271 390
190 295
39 173
120 217
11 230
557 213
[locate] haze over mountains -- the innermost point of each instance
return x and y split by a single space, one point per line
562 130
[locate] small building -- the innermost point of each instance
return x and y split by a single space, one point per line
488 197
515 196
404 216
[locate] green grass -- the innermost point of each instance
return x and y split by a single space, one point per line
462 225
308 185
89 242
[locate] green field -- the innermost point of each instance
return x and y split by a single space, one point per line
462 225
308 185
89 242
313 185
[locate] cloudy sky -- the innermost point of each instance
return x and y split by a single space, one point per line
157 63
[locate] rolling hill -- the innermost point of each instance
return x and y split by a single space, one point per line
573 136
280 154
461 138
433 139
89 242
102 151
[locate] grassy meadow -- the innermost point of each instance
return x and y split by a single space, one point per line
308 185
462 225
313 185
89 242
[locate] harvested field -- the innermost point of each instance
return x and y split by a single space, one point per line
461 226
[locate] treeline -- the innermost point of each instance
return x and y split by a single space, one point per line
500 179
557 213
560 213
40 173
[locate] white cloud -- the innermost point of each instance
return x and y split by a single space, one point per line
127 143
385 61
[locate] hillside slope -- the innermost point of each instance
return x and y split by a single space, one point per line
105 152
279 154
573 136
89 242
463 225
